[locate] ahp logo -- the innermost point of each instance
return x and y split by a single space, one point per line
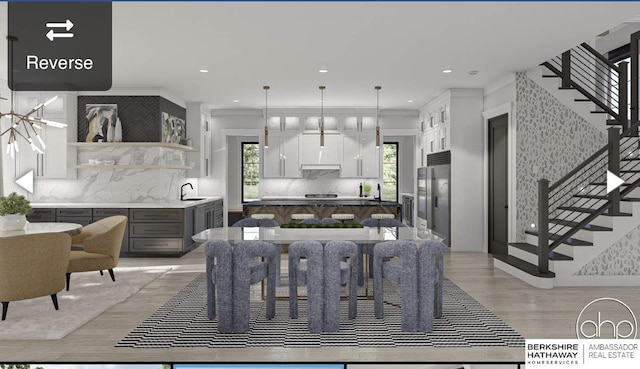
606 318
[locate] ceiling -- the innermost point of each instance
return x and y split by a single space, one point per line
401 46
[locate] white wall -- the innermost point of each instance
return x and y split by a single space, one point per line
467 169
616 38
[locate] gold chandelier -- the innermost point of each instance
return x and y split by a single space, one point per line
24 125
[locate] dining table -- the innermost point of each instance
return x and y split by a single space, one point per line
71 229
364 235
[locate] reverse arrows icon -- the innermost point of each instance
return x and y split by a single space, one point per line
613 181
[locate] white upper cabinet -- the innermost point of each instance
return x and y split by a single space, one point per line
281 158
283 123
313 124
360 157
58 156
358 124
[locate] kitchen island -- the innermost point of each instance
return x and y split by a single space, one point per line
282 208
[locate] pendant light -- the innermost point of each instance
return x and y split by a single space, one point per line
322 116
28 122
266 117
378 88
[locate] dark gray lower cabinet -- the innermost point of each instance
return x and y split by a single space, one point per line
108 212
150 231
81 216
158 231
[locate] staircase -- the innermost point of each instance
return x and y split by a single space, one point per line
577 218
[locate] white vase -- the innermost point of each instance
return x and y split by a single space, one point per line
13 222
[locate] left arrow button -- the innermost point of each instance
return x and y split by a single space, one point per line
26 181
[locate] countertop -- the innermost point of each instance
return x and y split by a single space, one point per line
301 201
175 204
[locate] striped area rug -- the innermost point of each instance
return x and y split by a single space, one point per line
183 322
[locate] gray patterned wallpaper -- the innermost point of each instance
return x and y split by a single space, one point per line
551 140
622 258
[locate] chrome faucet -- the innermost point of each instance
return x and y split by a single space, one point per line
182 194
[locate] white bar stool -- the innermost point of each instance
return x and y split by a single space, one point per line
262 216
382 216
343 216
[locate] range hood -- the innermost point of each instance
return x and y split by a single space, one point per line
320 166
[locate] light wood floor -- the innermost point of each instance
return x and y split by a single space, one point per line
534 313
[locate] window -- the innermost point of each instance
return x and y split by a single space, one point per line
390 171
250 171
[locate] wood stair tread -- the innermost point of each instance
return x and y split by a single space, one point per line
569 241
533 249
581 100
598 112
588 227
524 266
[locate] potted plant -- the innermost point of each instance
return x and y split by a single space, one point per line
13 211
366 188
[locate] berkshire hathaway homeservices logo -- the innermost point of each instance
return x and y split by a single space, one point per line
606 318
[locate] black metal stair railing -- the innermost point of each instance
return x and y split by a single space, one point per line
579 197
594 76
571 203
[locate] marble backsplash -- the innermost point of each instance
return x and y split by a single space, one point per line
117 185
315 181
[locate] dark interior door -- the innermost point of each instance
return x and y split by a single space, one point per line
498 190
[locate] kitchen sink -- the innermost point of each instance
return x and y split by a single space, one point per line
194 199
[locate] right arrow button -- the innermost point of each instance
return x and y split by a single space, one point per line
613 181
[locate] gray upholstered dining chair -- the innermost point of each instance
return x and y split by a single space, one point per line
219 268
311 221
249 268
430 283
310 272
338 273
268 223
402 272
246 222
387 222
329 221
252 222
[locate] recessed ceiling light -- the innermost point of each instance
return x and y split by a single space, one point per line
473 72
410 101
236 101
447 71
204 70
323 70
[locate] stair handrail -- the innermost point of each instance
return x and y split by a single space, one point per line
561 66
600 56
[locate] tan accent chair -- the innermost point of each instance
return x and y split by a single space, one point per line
32 266
102 241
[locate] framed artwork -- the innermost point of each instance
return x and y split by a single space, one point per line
173 129
103 123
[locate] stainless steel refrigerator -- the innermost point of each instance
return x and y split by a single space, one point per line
434 200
